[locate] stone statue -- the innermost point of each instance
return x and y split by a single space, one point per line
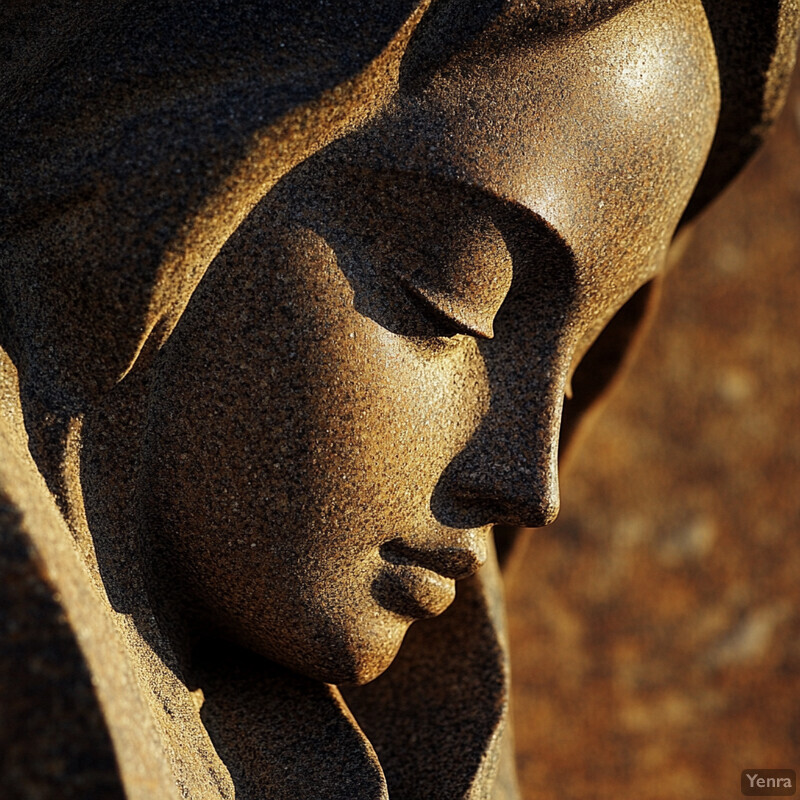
292 295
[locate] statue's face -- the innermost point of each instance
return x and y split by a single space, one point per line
333 430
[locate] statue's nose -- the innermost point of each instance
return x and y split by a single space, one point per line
522 492
508 472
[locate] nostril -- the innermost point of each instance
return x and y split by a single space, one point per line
522 513
469 507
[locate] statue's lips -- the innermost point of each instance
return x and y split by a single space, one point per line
456 561
420 582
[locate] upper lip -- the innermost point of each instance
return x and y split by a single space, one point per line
451 561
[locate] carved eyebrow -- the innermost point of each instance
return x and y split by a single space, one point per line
557 16
450 27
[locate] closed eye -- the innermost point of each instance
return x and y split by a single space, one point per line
437 310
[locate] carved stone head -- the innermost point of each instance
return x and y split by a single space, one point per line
297 300
371 373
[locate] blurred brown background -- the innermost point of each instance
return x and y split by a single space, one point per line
656 626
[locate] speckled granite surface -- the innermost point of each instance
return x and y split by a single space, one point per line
214 504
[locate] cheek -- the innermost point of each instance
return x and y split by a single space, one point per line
290 436
321 434
392 422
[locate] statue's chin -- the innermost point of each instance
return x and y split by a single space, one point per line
352 655
355 669
354 664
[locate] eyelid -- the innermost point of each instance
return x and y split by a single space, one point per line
441 309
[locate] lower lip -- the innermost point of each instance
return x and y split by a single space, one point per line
414 591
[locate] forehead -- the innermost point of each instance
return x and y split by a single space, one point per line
596 117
